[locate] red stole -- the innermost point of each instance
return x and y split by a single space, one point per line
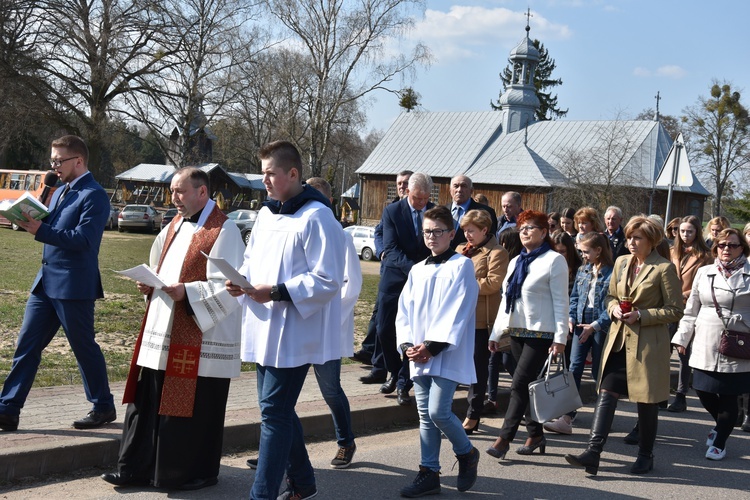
178 393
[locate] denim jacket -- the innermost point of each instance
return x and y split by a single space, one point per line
579 297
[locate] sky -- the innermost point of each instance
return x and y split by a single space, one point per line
613 56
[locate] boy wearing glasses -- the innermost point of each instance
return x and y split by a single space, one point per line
65 288
435 330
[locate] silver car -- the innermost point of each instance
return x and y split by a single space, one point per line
364 241
139 217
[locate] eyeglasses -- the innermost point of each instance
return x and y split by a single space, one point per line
526 229
437 233
58 163
733 246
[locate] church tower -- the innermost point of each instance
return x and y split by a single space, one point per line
519 103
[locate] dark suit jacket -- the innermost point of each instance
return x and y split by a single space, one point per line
71 234
618 244
473 205
402 247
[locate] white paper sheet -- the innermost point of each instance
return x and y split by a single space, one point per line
229 271
144 274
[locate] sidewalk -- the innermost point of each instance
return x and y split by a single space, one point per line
46 442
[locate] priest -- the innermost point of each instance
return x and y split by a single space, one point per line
187 350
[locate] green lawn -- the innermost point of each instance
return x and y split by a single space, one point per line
118 315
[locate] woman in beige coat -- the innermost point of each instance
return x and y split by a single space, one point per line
718 379
490 265
635 362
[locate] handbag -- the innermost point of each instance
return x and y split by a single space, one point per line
503 343
552 395
733 344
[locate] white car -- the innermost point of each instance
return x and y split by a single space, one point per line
364 241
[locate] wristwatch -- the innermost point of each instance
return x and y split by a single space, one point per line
275 293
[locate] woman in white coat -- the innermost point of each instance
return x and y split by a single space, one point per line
718 379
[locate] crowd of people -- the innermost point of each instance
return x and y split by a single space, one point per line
462 296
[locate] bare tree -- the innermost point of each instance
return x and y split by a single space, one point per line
215 39
602 175
345 42
719 138
87 54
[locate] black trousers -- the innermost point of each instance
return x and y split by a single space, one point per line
482 367
530 355
171 451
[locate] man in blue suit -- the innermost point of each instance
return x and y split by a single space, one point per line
461 190
403 246
65 288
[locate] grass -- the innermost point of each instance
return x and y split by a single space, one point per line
118 315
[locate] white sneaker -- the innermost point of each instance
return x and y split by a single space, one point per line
562 425
711 437
715 453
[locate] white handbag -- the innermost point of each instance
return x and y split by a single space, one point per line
553 394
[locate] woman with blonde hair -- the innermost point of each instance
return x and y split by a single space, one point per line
490 265
714 227
644 297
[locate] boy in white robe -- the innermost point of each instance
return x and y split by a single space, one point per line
435 329
291 315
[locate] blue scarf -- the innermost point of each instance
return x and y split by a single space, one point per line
513 290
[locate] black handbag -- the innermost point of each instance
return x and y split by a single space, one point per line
733 344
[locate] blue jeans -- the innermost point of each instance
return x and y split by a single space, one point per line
329 381
434 399
42 319
579 351
282 444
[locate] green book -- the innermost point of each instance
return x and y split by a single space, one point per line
26 203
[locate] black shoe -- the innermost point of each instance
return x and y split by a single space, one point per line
122 479
489 408
472 430
372 378
643 464
363 357
252 463
403 397
427 482
8 423
746 424
389 386
96 419
589 460
467 469
679 404
197 484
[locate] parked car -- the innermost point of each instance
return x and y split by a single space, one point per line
245 220
168 216
113 213
364 241
139 217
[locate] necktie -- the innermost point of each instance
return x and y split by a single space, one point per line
418 219
457 213
65 191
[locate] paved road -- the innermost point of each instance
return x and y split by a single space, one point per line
387 461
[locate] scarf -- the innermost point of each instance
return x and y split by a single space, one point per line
731 267
469 250
513 290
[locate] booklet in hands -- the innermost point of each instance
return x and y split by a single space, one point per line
13 210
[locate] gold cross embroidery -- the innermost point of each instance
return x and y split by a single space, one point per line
183 361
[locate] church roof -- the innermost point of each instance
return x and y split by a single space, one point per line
445 144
